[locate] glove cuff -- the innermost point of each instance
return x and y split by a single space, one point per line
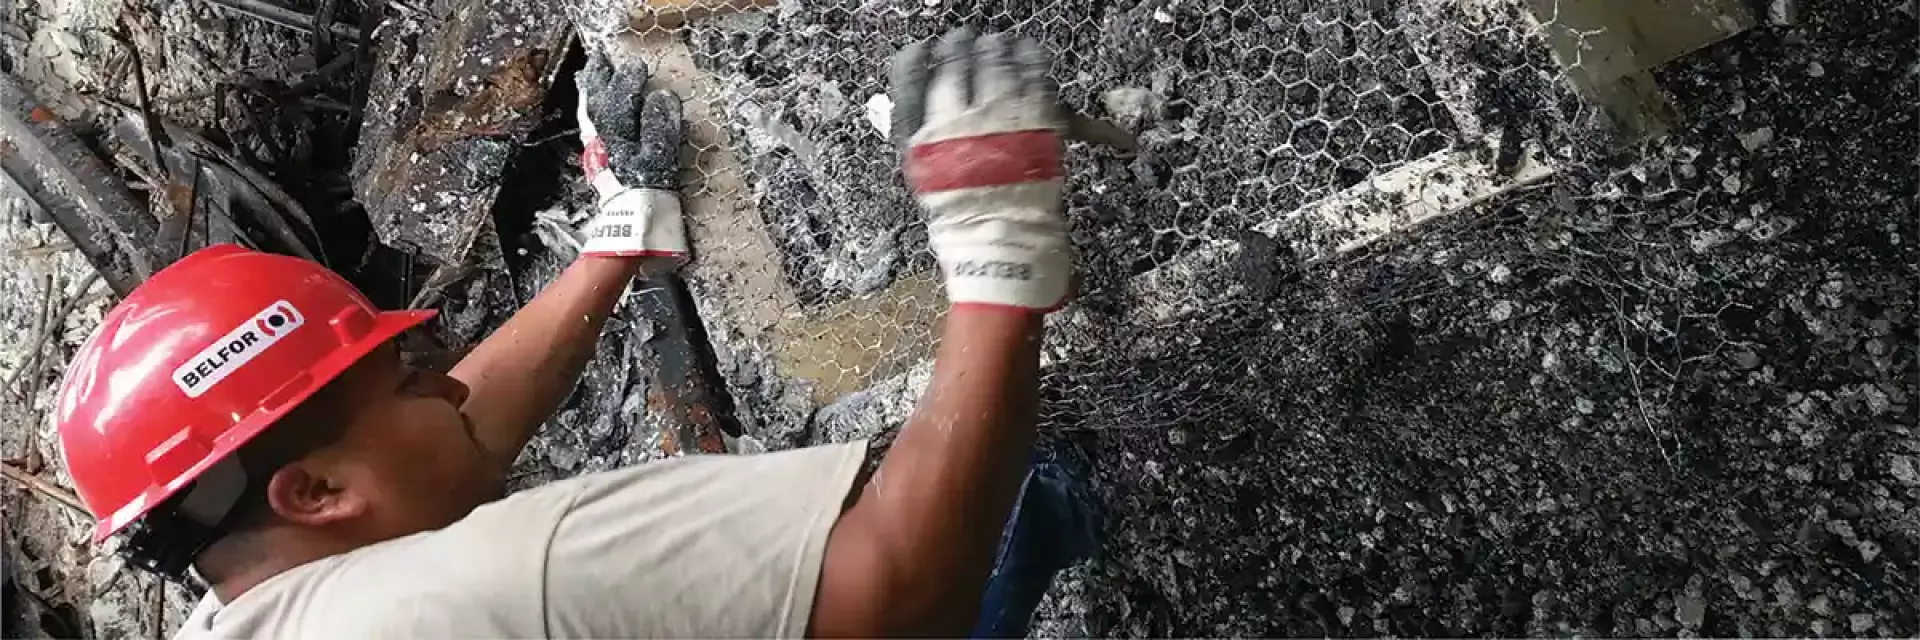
1007 276
636 222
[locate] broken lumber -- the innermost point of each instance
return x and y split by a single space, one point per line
443 120
85 199
42 487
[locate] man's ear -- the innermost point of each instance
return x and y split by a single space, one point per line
306 493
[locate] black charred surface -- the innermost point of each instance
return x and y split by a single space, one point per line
1668 391
450 102
684 387
83 198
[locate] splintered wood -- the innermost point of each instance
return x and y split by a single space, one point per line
737 273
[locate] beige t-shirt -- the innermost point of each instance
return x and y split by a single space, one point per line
706 546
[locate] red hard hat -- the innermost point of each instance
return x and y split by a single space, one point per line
195 362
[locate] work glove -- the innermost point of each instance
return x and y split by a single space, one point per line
632 158
980 126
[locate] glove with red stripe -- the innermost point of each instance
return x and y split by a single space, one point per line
632 158
980 125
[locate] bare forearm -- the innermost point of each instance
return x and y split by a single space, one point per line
951 478
912 554
521 373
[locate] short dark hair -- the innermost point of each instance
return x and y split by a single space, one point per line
317 422
167 541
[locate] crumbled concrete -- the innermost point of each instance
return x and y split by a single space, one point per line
1668 390
1133 107
62 49
46 546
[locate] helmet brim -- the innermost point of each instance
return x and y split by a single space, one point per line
386 326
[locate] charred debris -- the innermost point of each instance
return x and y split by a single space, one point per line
426 157
1650 372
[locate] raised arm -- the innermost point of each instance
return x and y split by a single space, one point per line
519 375
980 128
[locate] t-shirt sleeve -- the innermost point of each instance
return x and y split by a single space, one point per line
703 546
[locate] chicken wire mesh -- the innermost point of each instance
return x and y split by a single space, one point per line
1639 388
813 264
1390 327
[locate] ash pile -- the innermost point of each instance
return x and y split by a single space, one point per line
1408 317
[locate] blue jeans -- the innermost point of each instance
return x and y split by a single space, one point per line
1055 523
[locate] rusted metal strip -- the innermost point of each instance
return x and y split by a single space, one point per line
85 199
686 388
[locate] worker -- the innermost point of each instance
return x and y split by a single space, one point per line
247 419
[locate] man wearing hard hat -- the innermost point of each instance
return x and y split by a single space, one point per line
247 419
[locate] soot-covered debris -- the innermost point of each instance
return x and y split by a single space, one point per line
1307 103
1664 390
1667 393
451 100
1667 390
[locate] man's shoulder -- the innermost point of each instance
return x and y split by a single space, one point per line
480 576
487 575
713 546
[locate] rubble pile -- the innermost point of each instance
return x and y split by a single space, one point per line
1663 391
1668 392
1592 379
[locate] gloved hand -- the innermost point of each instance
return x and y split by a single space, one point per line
980 127
632 158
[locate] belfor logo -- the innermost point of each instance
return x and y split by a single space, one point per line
232 351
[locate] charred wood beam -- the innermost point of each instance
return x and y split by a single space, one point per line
686 387
280 15
85 199
322 29
449 103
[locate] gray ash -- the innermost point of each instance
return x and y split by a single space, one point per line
1667 394
1309 101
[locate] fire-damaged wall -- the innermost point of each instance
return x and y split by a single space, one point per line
1637 358
1409 317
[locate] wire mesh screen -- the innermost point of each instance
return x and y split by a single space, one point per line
1408 317
813 261
1401 309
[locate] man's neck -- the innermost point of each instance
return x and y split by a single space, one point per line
240 562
